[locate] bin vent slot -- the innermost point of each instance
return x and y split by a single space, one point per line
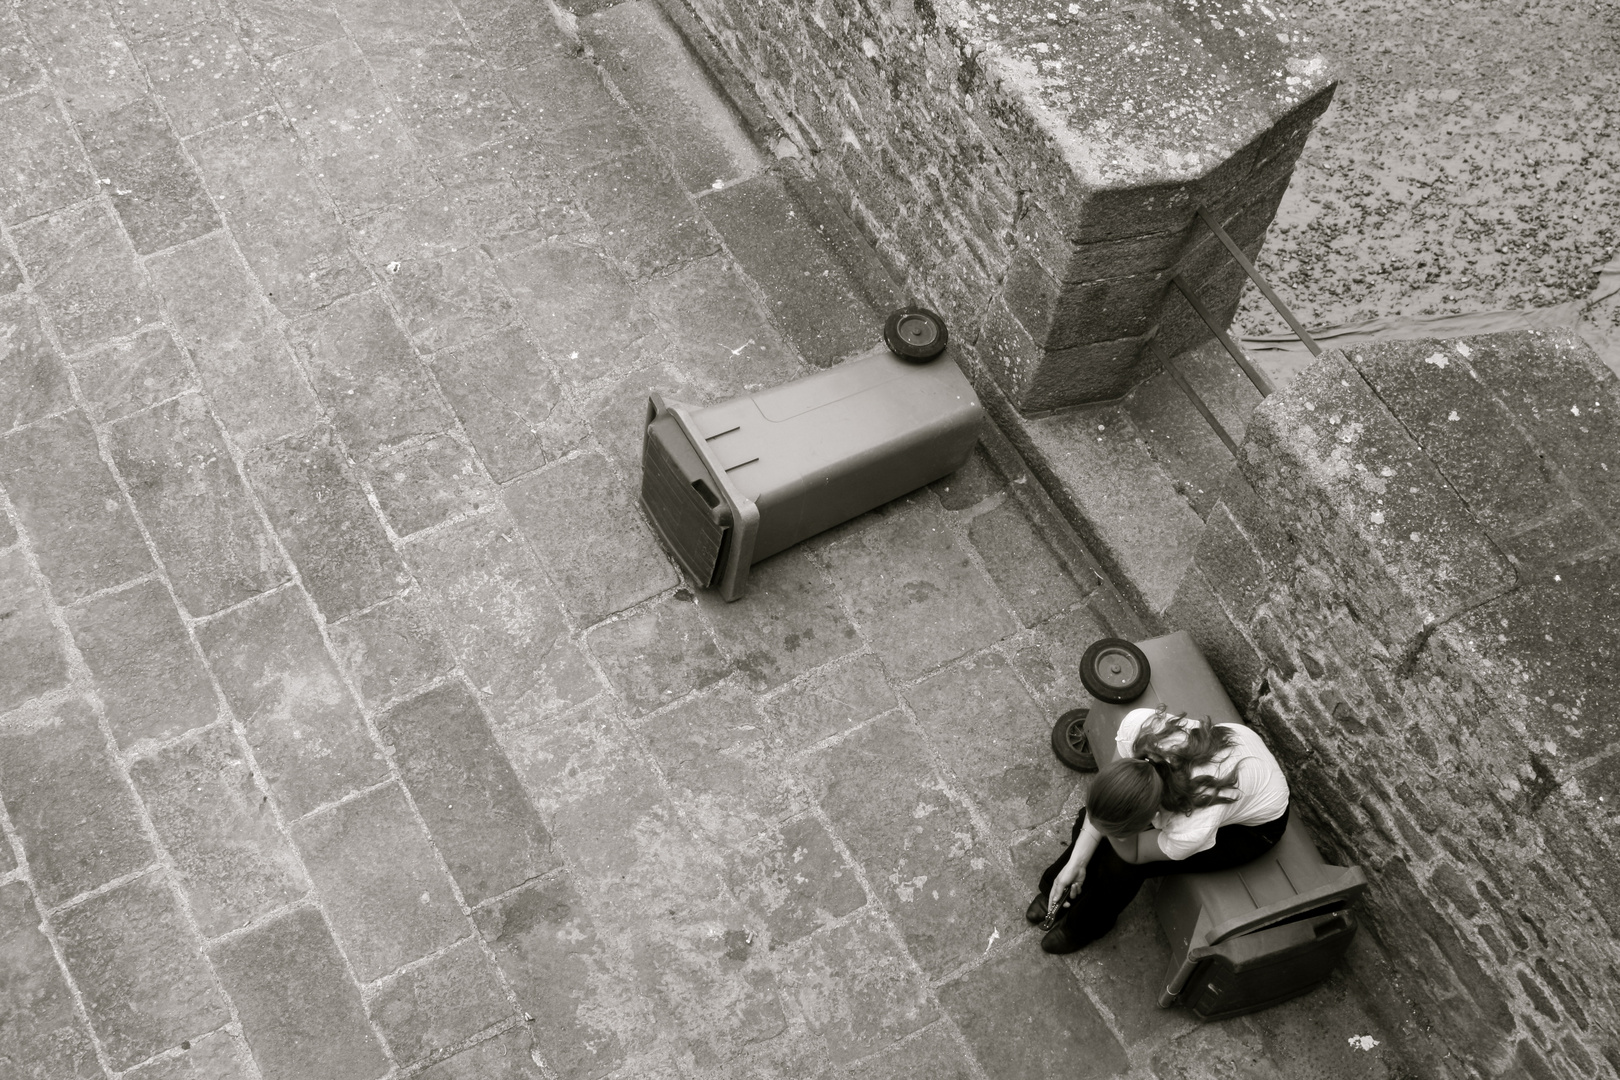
683 510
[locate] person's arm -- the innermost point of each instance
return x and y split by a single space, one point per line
1141 848
1074 871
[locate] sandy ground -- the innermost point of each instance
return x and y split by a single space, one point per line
1470 161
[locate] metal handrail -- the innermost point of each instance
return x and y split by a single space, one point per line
1260 282
1256 376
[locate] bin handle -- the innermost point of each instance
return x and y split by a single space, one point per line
744 514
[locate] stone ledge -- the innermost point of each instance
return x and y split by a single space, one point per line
1030 171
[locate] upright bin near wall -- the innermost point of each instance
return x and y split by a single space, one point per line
737 482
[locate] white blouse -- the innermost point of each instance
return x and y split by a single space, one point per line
1262 790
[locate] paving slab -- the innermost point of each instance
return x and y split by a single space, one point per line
19 68
794 878
84 274
918 844
811 294
391 650
67 500
444 285
42 1038
32 661
794 621
914 591
716 327
932 1053
300 1009
440 1003
510 403
546 943
856 988
219 1055
367 375
581 309
358 146
33 377
151 681
831 701
1023 565
128 376
49 169
659 655
287 230
719 765
133 944
203 75
428 483
78 821
483 825
305 730
646 59
311 493
982 722
382 886
89 62
509 1056
502 618
158 195
1023 1014
194 505
230 857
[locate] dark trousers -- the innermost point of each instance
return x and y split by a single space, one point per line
1111 883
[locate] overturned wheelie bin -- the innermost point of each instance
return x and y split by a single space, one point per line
1241 939
731 484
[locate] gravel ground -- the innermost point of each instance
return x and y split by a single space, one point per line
1470 162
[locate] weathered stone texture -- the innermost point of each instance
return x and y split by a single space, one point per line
79 824
40 1037
484 825
84 535
1042 210
193 502
229 856
303 726
300 1010
1442 692
140 969
152 682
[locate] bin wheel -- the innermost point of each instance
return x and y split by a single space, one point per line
1069 741
1114 670
915 333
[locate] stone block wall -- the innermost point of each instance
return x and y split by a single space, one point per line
1416 585
1030 170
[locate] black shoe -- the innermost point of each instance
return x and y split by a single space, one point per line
1036 910
1057 940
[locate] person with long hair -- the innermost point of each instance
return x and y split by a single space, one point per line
1184 795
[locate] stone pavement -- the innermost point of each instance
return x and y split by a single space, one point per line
352 723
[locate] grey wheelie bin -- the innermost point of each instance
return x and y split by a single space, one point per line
734 483
1240 939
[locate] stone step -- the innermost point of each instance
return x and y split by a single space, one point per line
1098 470
1178 437
649 63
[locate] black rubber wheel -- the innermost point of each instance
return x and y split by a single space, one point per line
915 333
1069 741
1115 670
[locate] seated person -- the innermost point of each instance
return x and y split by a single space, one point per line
1184 795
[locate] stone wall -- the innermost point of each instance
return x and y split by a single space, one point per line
1030 170
1416 584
